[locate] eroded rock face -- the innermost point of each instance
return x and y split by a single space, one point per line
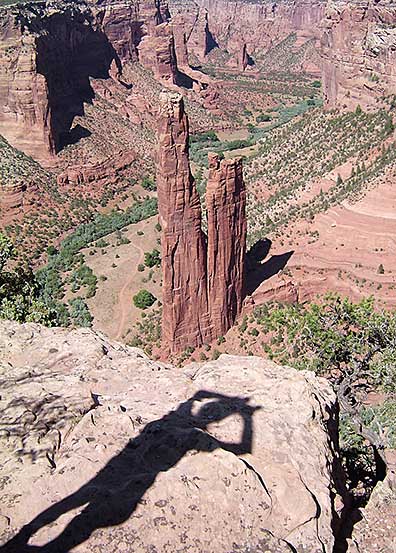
12 196
237 454
234 25
358 51
226 206
49 52
203 278
107 170
157 52
185 319
375 529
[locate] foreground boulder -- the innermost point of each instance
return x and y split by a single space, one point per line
105 450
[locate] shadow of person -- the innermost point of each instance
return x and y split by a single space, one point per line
113 494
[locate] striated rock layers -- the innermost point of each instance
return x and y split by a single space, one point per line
227 227
49 52
184 283
358 49
241 28
202 279
105 450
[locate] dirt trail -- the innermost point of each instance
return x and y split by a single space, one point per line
124 299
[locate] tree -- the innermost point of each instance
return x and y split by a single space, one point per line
7 250
152 259
358 110
79 312
20 298
149 184
357 342
389 126
143 299
339 180
380 269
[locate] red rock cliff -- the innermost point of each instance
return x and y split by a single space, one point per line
358 49
225 203
234 25
202 283
185 320
49 52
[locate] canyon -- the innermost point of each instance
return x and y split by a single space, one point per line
50 53
254 143
203 278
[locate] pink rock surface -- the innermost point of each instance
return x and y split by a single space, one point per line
226 212
123 454
358 52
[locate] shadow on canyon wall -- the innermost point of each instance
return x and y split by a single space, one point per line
113 494
257 271
68 56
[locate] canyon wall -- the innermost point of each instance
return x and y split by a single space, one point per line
49 52
202 280
235 25
358 48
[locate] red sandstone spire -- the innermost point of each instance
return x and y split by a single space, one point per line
202 286
185 320
226 204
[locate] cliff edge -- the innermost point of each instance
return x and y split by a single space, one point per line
103 449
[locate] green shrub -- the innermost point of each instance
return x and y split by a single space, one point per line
79 312
152 259
148 183
143 299
263 118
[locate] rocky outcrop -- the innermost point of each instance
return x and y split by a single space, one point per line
202 280
375 529
237 25
49 52
185 319
225 204
358 53
157 52
105 450
12 196
107 170
21 183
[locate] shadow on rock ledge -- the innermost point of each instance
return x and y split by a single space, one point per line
114 452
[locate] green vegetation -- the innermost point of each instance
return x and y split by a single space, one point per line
28 296
20 297
149 184
83 276
330 335
292 157
203 137
206 142
144 299
354 345
79 312
153 258
147 332
263 118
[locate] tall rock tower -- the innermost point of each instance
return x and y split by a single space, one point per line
185 318
226 206
203 277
